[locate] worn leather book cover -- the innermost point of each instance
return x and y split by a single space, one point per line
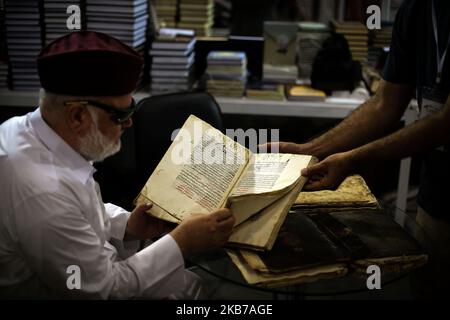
352 194
341 242
321 238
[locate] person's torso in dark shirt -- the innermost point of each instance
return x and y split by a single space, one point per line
413 60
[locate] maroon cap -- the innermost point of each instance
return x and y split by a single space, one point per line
88 63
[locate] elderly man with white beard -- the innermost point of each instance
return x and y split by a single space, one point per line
53 222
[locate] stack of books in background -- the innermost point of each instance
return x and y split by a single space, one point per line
166 13
55 18
24 41
310 38
3 74
197 15
357 37
125 20
280 74
226 73
222 14
266 91
172 54
3 53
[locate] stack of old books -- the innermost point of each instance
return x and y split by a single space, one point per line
226 73
172 54
310 38
23 36
197 15
328 234
56 16
125 20
357 37
166 13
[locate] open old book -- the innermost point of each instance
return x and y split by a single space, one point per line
204 170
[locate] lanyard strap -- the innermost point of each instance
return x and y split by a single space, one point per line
439 59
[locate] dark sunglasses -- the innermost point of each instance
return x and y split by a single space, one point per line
118 115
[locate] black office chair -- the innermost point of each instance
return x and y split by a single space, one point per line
159 116
117 174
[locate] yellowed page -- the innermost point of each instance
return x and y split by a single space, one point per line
196 174
270 172
268 177
260 231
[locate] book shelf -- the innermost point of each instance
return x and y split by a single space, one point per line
331 108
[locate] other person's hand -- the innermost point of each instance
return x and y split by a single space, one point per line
328 173
202 232
287 147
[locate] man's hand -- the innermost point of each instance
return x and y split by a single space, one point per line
329 173
142 226
285 147
291 147
202 232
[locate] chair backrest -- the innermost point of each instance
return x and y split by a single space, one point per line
117 174
157 118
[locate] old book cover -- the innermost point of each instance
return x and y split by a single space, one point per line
352 194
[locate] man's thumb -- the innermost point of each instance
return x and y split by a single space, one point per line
144 207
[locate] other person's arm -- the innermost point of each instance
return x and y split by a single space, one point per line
425 134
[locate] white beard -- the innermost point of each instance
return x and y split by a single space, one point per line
96 146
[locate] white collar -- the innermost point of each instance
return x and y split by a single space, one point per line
81 168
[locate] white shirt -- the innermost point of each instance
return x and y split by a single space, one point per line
52 217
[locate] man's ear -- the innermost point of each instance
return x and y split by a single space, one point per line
78 119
